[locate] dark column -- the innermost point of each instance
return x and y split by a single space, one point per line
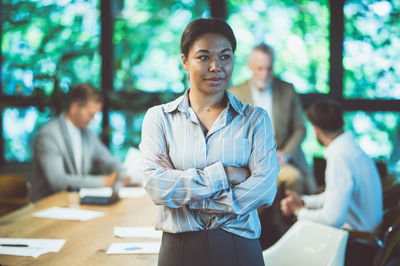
336 35
107 68
1 89
218 9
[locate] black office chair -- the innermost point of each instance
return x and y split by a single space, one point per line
13 193
391 196
389 233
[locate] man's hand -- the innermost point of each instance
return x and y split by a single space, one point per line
164 160
236 175
127 181
109 180
291 203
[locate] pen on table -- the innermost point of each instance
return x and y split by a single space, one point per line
15 245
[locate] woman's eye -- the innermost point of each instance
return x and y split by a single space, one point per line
203 57
225 57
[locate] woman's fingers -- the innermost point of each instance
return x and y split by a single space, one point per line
164 160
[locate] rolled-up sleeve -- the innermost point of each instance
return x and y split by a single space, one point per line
174 188
260 188
336 199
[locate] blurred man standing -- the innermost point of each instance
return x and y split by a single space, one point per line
286 113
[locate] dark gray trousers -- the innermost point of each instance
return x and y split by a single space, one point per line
212 247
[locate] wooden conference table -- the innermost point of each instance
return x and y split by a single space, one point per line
86 242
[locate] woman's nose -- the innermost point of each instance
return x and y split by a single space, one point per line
214 65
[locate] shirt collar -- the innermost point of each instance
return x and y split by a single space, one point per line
69 123
268 86
182 104
342 138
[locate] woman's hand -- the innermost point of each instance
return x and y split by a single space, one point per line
236 175
164 160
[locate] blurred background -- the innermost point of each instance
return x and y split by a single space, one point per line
344 50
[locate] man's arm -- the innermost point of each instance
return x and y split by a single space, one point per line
51 161
337 196
105 160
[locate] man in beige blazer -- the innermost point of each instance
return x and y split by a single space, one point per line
285 110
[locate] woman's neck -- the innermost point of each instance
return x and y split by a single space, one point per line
206 102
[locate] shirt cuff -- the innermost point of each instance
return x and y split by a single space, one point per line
307 200
216 177
300 213
218 182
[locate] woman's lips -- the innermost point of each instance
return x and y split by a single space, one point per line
215 81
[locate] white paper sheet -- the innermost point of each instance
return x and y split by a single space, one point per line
61 213
134 248
131 192
96 192
137 232
35 247
133 166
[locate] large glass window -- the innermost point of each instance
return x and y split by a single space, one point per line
48 44
20 126
310 145
51 44
371 49
147 38
377 133
126 130
297 30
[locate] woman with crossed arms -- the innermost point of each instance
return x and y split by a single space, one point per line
209 159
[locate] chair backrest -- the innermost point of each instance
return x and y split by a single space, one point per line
308 243
319 166
389 233
13 193
391 196
12 186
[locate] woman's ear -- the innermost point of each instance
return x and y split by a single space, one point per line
184 62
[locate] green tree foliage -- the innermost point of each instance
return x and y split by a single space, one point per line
49 45
147 38
371 49
297 30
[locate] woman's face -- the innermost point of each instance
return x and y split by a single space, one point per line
209 63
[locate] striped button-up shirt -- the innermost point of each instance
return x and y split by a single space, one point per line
196 194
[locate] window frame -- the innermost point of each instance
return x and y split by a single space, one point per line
218 8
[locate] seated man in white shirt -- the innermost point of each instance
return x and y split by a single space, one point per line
67 155
353 195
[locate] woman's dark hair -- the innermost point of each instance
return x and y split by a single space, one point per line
327 115
201 26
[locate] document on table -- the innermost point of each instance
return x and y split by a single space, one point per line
29 247
134 248
137 232
131 192
62 213
96 192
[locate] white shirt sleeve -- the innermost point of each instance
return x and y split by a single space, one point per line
336 198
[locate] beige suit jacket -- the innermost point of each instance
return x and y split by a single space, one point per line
288 122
